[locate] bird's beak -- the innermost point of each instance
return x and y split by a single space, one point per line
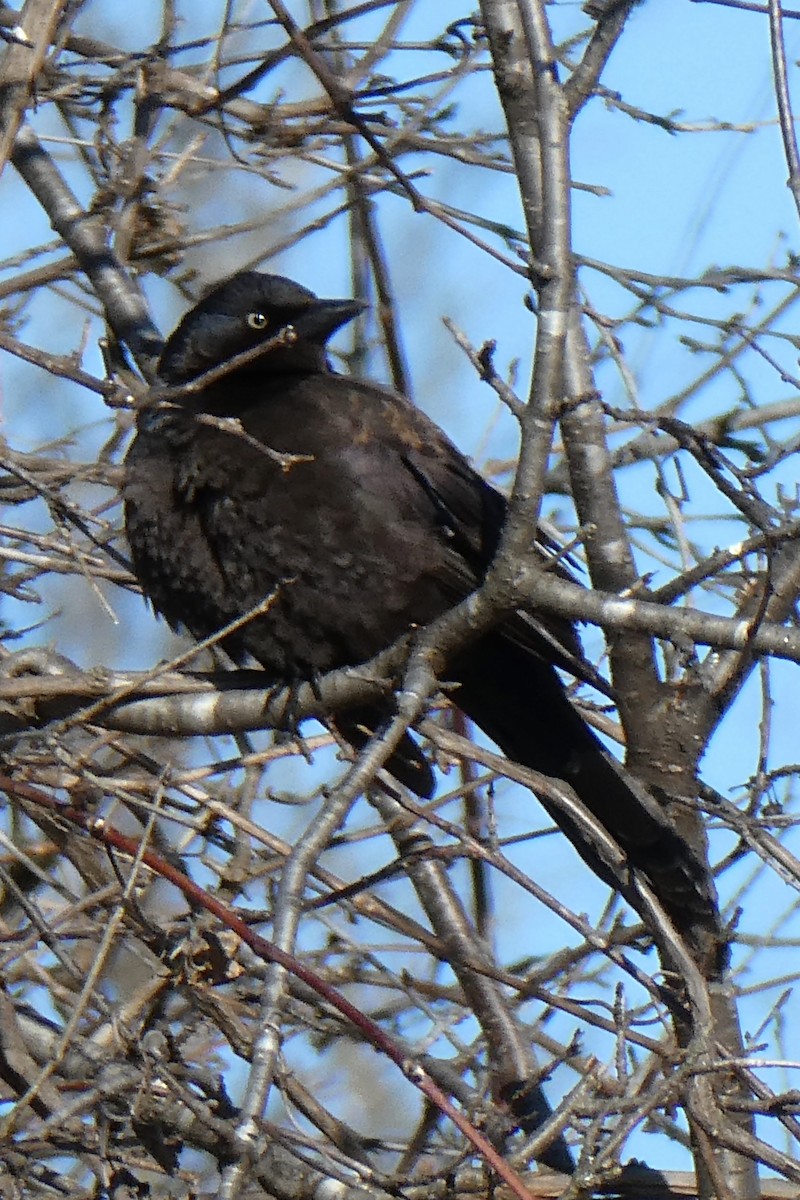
326 316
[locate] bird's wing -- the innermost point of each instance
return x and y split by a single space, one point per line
468 511
470 514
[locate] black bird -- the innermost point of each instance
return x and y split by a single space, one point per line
379 524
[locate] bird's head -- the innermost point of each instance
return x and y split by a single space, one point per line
249 311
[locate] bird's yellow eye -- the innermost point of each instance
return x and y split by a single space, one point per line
257 320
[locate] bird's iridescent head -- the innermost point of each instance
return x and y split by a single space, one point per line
248 311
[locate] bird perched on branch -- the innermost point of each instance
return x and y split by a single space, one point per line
346 505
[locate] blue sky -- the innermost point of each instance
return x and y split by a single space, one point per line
674 203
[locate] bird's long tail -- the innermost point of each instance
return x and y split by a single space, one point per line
518 700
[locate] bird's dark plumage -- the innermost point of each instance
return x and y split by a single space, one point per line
378 524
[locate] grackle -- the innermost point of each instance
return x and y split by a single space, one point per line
374 525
